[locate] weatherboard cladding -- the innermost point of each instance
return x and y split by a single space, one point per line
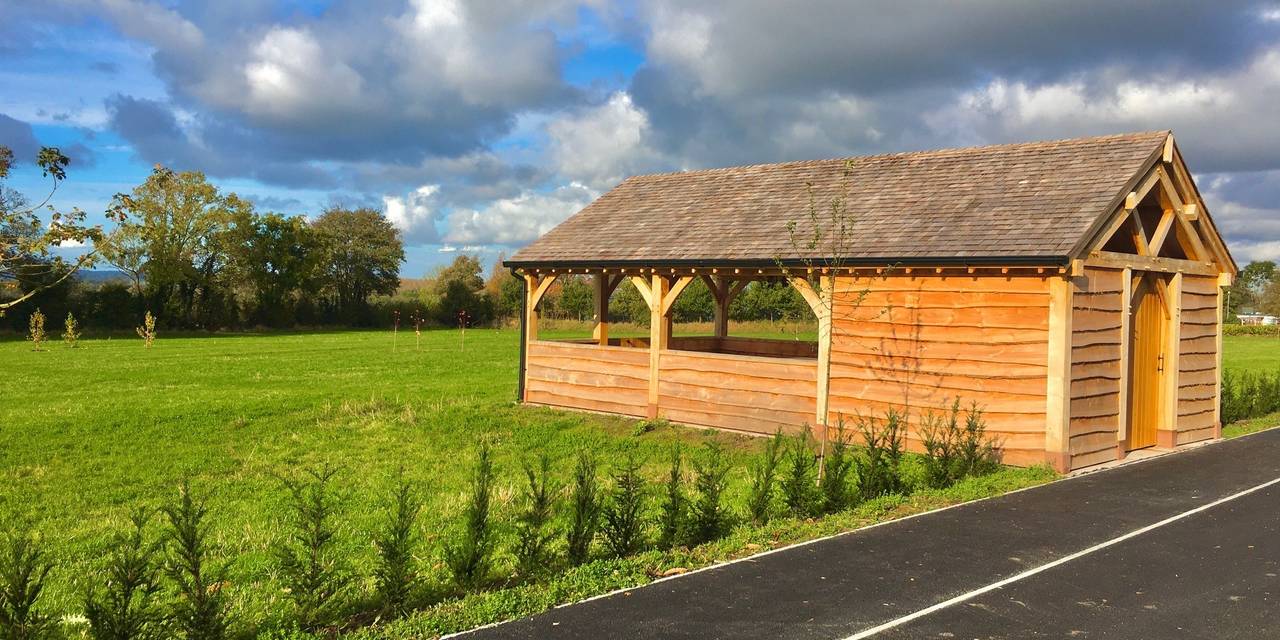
1013 201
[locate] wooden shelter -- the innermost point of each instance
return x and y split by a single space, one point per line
1073 289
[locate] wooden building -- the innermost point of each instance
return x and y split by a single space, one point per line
1072 288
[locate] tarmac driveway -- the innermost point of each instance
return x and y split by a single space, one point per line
1180 546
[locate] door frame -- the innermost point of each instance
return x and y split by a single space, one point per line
1168 289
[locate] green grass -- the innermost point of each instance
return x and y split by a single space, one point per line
88 435
1251 353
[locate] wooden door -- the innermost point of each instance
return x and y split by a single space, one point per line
1147 364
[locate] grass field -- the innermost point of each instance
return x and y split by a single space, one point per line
88 435
1251 353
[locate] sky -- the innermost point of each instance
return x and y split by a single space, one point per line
476 126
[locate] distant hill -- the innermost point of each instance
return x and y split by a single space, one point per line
102 276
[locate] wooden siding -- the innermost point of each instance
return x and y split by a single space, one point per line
1095 366
742 393
1197 359
920 342
588 376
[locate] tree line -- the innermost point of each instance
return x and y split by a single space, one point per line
1256 289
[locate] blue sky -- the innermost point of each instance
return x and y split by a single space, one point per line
476 126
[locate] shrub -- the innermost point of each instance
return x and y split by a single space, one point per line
71 331
764 471
533 535
396 573
470 555
799 486
1249 395
309 565
835 484
23 571
979 454
1268 330
879 466
125 607
675 504
584 516
709 517
35 330
200 611
148 330
940 435
623 525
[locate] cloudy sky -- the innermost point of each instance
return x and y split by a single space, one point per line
475 126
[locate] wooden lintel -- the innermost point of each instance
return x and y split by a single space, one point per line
1113 260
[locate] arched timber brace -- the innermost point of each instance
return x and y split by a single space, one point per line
723 291
820 301
536 286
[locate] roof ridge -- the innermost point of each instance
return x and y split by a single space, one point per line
900 154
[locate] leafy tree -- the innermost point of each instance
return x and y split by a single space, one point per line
26 240
1249 288
459 287
181 220
505 290
277 258
577 299
362 256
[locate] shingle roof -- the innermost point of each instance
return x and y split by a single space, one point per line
1015 202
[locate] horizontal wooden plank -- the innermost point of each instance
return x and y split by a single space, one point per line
960 382
726 394
1195 435
639 357
871 334
538 396
947 284
966 359
590 379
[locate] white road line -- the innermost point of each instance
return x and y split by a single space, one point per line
1045 567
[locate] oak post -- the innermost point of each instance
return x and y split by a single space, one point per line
1057 430
659 336
1126 333
601 331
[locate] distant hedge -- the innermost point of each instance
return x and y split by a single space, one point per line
1271 330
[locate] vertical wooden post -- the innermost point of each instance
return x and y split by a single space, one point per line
720 292
601 331
659 336
531 283
1126 334
1057 431
1224 280
1167 430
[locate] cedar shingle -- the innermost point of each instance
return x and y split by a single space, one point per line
1018 200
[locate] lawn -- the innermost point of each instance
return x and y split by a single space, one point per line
88 435
1251 353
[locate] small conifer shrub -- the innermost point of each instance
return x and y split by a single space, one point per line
23 571
673 509
310 567
623 525
709 517
764 480
533 530
126 606
200 610
148 330
799 485
396 573
470 554
584 509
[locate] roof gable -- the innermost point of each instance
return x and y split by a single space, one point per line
1012 203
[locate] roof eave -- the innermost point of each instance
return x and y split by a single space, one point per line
877 261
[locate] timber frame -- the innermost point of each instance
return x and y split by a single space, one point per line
1071 406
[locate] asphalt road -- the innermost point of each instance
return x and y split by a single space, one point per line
1139 551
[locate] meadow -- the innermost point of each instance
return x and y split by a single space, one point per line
87 435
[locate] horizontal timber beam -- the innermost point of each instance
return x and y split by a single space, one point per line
1112 260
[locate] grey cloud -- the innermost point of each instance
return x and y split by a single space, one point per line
17 135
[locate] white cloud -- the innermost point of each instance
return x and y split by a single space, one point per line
516 221
415 214
602 145
291 75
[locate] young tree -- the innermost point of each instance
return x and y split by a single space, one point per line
23 572
362 255
27 240
200 611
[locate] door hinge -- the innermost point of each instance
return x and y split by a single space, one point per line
1160 364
